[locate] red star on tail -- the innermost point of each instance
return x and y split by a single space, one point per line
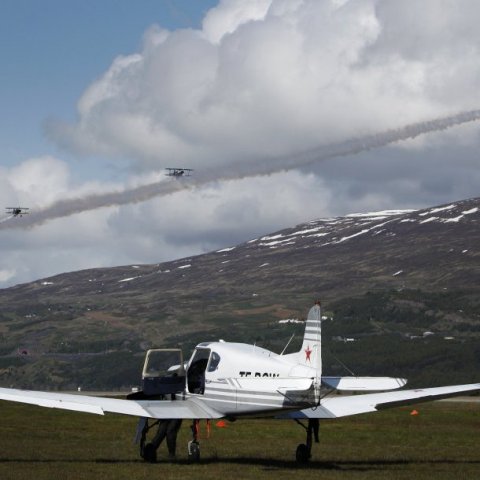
308 352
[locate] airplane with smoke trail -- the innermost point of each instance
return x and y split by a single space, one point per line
259 167
178 172
16 211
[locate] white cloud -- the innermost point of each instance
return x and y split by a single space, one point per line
39 181
6 275
228 16
269 77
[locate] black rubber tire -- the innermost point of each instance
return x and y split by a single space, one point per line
302 454
194 452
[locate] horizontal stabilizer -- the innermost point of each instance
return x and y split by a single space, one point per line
343 406
355 384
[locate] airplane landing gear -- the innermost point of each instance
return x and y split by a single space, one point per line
193 451
304 450
193 445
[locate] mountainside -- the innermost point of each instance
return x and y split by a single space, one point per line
402 286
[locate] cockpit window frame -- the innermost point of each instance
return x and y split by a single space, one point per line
213 362
197 369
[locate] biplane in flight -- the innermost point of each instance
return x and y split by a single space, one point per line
178 172
16 211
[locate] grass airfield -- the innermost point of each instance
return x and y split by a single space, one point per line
441 442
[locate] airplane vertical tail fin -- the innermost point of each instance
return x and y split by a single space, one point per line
311 353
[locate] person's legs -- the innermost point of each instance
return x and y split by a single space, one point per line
150 450
172 432
161 433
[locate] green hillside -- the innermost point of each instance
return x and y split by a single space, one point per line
403 290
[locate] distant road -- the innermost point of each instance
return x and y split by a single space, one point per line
461 399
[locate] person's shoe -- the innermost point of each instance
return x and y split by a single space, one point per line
150 453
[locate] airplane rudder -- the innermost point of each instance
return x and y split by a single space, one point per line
313 323
315 313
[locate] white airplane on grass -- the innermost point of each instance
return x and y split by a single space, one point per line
235 380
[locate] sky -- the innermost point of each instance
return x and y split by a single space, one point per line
257 96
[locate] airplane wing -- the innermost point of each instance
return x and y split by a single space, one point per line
342 406
189 408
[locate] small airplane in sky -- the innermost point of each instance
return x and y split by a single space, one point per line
236 380
179 172
17 211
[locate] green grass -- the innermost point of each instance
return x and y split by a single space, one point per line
441 443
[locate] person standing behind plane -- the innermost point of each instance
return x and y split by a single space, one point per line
166 428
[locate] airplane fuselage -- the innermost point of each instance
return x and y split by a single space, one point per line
239 379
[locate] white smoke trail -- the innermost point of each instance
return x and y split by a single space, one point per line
6 218
267 166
